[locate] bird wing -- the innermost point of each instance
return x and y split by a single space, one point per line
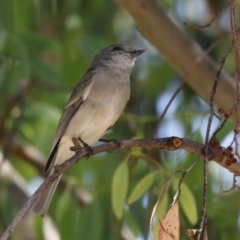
78 96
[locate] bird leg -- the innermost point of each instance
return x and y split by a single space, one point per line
86 147
76 144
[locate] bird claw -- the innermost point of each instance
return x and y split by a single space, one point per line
86 147
77 146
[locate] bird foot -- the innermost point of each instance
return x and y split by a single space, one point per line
76 146
86 147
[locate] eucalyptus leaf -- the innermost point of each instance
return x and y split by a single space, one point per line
119 189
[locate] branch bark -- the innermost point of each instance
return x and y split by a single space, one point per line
183 53
217 154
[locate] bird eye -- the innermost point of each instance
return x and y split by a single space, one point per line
117 48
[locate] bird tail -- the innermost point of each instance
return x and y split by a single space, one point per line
41 205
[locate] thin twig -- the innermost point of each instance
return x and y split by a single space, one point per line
228 115
177 91
212 114
212 20
235 34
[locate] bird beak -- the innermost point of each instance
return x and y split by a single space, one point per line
136 53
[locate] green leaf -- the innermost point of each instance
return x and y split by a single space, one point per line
143 185
187 202
132 223
119 188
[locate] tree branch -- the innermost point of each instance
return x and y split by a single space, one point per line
183 53
215 153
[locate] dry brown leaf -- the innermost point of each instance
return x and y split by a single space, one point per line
170 225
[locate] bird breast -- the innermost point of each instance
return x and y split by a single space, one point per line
107 98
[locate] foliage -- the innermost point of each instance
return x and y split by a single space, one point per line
45 48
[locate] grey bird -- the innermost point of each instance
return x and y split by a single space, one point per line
93 107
